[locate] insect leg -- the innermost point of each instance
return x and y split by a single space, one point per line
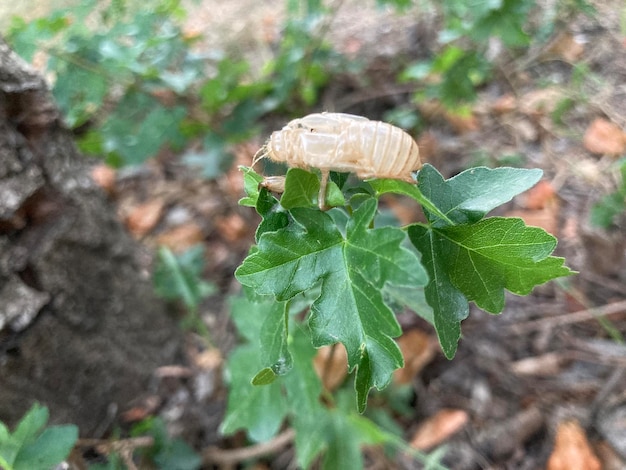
259 155
321 197
276 184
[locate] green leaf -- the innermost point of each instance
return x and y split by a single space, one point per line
249 316
140 126
9 448
411 298
274 335
267 206
352 271
465 199
274 338
461 71
339 178
344 450
258 410
31 424
449 305
334 196
4 432
265 376
470 195
303 388
26 37
383 186
604 212
166 452
180 277
336 430
51 447
499 253
251 181
477 262
302 385
80 103
347 433
504 19
178 455
273 214
179 81
213 159
302 190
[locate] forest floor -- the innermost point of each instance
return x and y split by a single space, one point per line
528 387
543 381
546 371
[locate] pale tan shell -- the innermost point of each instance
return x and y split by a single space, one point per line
345 143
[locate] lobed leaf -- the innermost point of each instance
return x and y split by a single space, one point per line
302 188
358 269
470 195
251 181
303 389
352 271
258 410
450 306
478 262
319 429
498 253
274 339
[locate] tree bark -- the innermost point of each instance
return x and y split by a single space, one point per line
80 328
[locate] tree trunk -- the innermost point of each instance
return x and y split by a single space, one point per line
80 328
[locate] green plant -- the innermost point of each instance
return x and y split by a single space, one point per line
456 71
331 276
110 80
479 21
149 446
461 65
305 61
33 445
314 277
324 423
133 84
180 278
605 212
166 453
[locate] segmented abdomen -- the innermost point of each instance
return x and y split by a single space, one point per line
346 143
386 151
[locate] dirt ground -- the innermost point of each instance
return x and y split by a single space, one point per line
545 371
554 362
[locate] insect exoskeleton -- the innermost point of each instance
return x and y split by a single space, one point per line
345 143
274 183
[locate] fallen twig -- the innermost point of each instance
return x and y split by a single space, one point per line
568 318
232 456
124 447
501 440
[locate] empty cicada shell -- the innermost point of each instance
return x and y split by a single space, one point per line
274 183
345 143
